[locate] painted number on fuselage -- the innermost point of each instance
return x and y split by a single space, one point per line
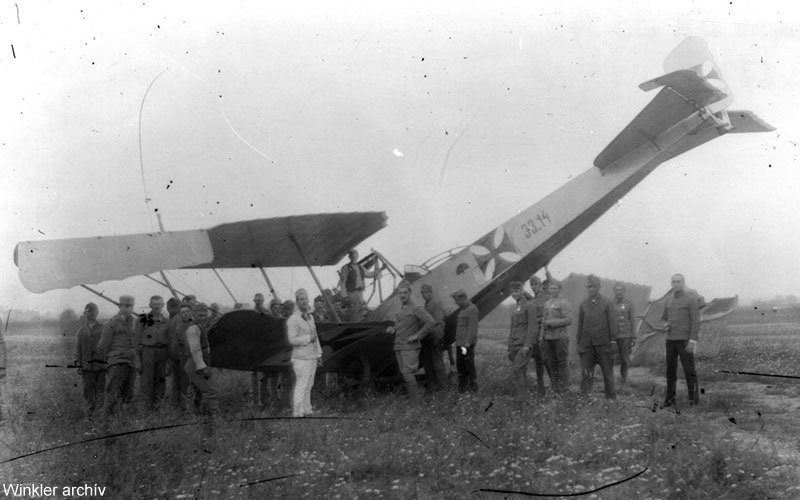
535 224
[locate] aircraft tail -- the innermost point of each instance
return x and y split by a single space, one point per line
693 85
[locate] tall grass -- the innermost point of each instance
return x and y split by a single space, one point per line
445 446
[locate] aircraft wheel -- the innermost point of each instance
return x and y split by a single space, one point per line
354 373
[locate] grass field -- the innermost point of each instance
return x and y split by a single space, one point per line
741 442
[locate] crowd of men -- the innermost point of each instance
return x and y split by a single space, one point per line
156 346
153 346
538 333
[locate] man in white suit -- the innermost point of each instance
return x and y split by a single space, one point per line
306 353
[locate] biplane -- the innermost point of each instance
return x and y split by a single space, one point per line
690 109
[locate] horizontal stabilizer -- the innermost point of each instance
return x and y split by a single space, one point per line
747 121
691 86
665 110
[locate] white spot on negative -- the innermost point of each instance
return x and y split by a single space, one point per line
397 153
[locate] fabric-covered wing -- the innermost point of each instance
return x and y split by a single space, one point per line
51 264
323 238
664 111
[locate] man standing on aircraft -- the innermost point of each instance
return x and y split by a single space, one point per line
351 284
597 329
431 352
118 348
523 333
626 321
466 338
196 364
152 341
539 357
682 325
91 370
306 353
411 324
555 319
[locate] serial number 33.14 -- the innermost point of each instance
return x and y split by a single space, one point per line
535 224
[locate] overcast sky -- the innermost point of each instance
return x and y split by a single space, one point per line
308 108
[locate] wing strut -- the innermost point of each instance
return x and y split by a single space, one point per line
100 294
225 285
314 275
269 283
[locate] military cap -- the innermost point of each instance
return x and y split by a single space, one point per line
126 300
458 293
426 287
275 302
515 285
319 298
593 280
404 284
93 307
200 308
172 303
535 280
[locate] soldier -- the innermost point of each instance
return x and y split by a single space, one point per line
320 315
287 309
276 308
539 355
626 325
91 368
522 334
431 351
411 324
258 304
597 329
555 319
466 338
351 284
172 307
178 354
306 354
196 364
151 332
118 348
682 325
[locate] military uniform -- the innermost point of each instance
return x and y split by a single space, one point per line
537 351
466 338
151 330
411 320
431 349
555 319
597 329
683 317
91 366
118 346
522 334
178 354
626 322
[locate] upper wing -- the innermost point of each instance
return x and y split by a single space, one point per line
324 239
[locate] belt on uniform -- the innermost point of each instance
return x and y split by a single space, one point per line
155 346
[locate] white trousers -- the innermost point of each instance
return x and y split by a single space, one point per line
304 370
